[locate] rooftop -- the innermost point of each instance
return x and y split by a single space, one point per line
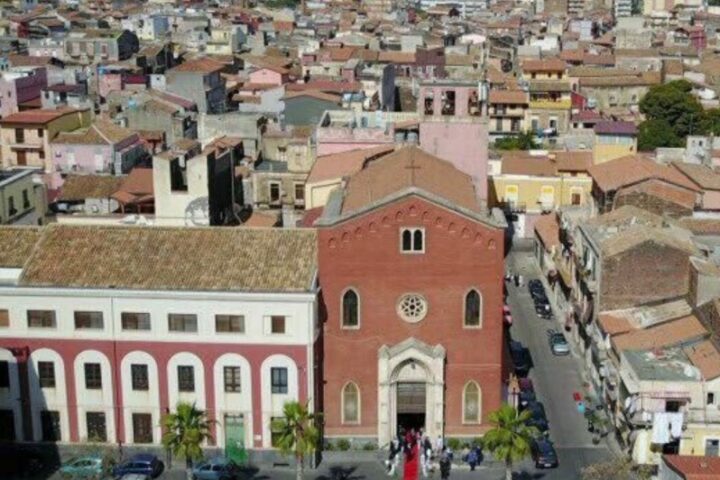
157 258
661 365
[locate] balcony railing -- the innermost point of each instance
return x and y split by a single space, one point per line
514 207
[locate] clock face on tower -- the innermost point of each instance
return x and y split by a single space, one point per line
412 307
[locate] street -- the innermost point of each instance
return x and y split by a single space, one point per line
555 378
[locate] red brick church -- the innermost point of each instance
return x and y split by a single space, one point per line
411 268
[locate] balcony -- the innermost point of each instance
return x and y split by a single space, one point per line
514 207
564 104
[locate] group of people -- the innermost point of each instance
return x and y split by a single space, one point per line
418 452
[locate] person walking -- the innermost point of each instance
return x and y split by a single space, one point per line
445 464
472 458
412 456
393 456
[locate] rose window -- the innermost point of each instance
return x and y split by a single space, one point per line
412 307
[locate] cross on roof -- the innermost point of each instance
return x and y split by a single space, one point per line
412 167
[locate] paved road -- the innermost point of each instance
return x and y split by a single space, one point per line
555 378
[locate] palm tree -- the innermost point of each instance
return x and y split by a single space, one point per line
510 438
185 432
297 433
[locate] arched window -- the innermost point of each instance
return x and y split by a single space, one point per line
350 403
418 241
473 309
407 240
350 309
472 403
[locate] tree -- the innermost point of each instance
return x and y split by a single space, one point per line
510 438
674 103
185 432
524 141
656 133
711 121
617 469
297 433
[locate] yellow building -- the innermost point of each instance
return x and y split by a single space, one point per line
614 140
526 185
25 136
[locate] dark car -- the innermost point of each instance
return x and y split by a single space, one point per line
544 453
520 358
143 463
538 419
526 396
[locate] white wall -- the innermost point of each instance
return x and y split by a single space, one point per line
140 401
10 397
175 396
48 398
233 403
273 403
91 400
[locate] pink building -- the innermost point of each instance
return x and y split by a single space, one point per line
19 85
269 76
453 129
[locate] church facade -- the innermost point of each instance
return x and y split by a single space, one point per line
410 268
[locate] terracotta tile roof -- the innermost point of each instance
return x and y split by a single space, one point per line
37 117
102 132
572 55
405 168
138 182
701 226
29 61
404 58
573 161
703 176
16 245
528 165
199 65
614 325
82 187
706 358
691 467
667 334
339 165
157 258
608 127
509 97
659 189
262 219
324 86
547 65
338 54
633 169
548 229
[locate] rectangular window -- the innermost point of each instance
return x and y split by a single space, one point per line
40 133
229 323
4 374
178 176
142 428
179 322
88 321
41 318
50 421
96 427
11 206
93 376
135 321
19 135
412 240
279 380
46 374
711 398
274 192
299 193
186 378
277 324
139 376
26 199
4 318
232 379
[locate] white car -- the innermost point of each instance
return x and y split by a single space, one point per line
135 476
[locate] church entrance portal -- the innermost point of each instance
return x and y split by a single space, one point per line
411 404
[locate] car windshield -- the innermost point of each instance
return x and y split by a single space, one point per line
559 338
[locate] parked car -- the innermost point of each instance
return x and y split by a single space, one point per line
82 467
216 469
135 476
538 419
520 358
526 396
142 463
544 453
558 344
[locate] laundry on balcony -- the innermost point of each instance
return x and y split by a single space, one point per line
666 427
